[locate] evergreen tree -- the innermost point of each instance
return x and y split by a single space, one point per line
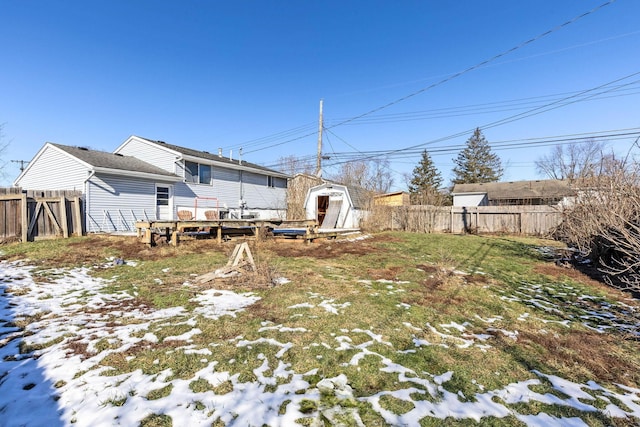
476 163
425 183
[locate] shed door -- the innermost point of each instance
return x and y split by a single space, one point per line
323 204
331 218
164 202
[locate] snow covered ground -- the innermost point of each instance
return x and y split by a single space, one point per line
43 382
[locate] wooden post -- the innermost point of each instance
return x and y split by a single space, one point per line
63 217
148 236
25 218
219 233
77 216
451 221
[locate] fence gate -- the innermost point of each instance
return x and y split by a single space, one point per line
36 215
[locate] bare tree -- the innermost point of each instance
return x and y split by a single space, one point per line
292 165
605 222
373 175
573 161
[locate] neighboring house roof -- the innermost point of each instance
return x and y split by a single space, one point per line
214 157
518 190
116 162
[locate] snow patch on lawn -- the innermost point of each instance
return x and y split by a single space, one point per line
56 369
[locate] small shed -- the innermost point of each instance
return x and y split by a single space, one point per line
336 205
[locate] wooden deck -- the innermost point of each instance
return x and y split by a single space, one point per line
221 229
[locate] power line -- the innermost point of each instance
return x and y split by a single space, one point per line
545 141
483 108
274 137
534 111
479 65
612 135
450 77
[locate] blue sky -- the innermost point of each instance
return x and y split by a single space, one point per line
213 74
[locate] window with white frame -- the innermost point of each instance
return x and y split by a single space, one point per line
271 181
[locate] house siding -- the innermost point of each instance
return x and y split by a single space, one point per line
226 183
55 170
470 200
258 195
116 203
228 187
152 154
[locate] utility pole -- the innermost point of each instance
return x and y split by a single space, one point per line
22 163
319 158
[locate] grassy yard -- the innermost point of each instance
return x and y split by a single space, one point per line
393 329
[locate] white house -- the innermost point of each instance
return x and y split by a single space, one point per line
335 205
145 179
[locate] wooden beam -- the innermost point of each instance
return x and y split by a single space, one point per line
52 217
63 217
34 218
148 237
25 217
11 196
77 216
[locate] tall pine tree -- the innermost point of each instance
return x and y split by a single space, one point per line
425 183
476 163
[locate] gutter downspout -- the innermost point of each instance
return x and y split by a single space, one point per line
87 198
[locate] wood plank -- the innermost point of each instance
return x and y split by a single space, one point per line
148 237
34 218
24 211
77 216
52 217
11 196
63 217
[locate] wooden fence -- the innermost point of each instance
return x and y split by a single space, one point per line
529 220
36 215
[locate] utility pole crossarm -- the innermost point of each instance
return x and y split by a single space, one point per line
22 164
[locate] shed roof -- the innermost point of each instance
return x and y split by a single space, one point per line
103 159
214 157
519 190
359 196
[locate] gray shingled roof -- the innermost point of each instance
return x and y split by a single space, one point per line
214 157
525 190
359 196
102 159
